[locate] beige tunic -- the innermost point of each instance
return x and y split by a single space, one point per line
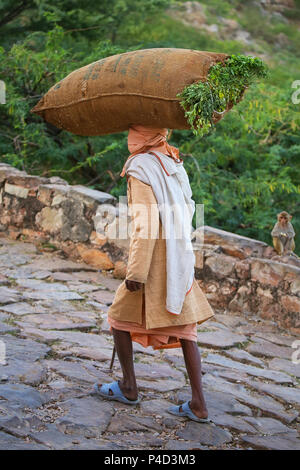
147 264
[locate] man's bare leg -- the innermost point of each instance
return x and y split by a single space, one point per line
123 345
193 366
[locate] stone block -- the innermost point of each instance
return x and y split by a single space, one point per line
95 257
242 269
27 181
270 272
220 266
241 301
50 220
291 303
48 192
7 171
295 286
237 244
35 235
91 196
15 190
79 232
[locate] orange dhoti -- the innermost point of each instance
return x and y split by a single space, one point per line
158 338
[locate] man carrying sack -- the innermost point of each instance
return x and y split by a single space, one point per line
159 304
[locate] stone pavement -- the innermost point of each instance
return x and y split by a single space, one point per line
53 327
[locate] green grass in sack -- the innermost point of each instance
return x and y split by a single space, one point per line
226 83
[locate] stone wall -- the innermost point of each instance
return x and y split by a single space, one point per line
243 275
238 274
57 215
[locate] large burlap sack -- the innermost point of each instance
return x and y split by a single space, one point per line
138 87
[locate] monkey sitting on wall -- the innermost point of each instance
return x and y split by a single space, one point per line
283 234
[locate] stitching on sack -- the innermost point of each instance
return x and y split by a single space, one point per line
84 100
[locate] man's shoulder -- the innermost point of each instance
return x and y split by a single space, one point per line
146 161
134 180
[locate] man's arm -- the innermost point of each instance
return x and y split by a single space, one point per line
144 232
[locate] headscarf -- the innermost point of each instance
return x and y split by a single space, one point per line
144 139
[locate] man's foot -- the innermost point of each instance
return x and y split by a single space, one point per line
185 410
129 392
199 411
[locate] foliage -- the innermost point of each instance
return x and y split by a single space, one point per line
225 84
27 142
245 170
102 19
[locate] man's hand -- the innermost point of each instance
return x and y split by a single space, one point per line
133 285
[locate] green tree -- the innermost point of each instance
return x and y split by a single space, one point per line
103 19
245 170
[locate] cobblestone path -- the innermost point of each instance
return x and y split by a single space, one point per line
55 343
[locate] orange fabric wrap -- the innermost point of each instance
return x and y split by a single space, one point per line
146 139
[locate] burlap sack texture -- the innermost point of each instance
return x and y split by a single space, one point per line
138 87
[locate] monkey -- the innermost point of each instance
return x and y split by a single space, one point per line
283 234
